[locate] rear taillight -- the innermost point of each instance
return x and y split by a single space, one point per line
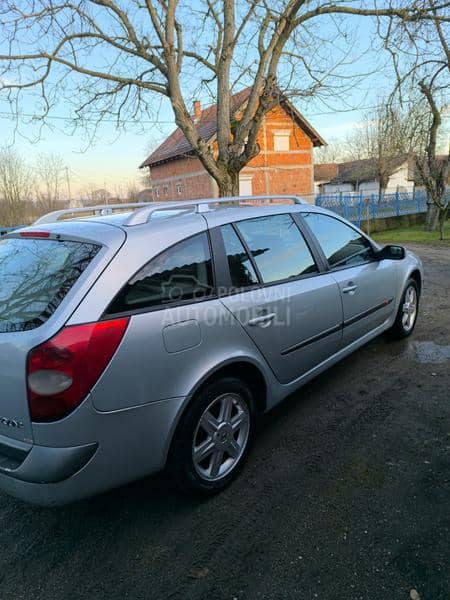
63 370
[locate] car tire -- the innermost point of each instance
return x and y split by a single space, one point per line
213 437
406 318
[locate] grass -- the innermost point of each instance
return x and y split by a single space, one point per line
413 234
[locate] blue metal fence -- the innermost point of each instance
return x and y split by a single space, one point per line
363 206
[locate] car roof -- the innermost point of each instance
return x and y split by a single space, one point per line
172 224
215 215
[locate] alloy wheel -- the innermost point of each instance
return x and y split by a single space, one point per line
221 436
409 309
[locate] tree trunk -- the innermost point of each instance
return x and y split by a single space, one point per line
442 218
432 218
228 184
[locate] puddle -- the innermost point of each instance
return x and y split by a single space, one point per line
429 352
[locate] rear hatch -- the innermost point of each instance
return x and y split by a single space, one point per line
44 275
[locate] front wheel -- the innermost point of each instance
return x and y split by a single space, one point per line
212 440
406 318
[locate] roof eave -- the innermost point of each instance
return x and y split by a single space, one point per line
149 163
315 136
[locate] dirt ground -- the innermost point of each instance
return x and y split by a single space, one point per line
346 496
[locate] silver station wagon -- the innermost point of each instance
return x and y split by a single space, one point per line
152 338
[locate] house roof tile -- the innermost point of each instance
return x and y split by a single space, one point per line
176 145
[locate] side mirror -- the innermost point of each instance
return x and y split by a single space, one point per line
391 252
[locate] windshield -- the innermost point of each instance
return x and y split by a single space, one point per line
35 276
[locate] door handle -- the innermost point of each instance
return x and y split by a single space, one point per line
263 320
350 288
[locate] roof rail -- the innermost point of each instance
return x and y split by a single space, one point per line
144 210
141 216
101 209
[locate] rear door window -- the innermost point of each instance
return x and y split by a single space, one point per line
278 248
35 277
242 272
180 273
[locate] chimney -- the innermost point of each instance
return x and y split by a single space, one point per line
197 110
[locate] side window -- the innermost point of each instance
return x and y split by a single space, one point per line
342 245
241 269
278 247
182 272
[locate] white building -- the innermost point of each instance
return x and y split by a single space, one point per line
361 176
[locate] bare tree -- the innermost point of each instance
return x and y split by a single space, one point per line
434 169
334 151
111 58
14 188
127 191
421 58
49 182
100 196
133 192
389 133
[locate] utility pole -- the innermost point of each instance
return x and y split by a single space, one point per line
69 194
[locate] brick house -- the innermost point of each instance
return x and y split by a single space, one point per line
284 164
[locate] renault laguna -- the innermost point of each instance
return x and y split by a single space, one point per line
150 337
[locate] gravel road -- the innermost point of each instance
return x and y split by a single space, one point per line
346 495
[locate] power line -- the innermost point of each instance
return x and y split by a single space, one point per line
163 122
59 118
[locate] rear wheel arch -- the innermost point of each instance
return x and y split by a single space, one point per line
244 370
207 452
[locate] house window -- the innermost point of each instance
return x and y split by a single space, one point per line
179 188
245 185
281 141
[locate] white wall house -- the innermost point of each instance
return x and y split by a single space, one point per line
360 176
338 188
401 180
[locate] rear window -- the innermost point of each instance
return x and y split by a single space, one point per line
35 276
180 273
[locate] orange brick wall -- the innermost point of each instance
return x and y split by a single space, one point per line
173 168
182 179
280 181
272 172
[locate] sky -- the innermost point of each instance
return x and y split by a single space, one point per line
112 161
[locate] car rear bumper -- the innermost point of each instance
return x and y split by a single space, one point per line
54 476
41 464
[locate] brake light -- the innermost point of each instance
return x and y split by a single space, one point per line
34 234
63 370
